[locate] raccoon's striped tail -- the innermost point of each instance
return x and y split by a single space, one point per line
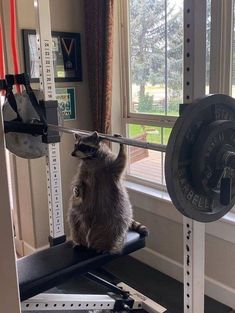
139 228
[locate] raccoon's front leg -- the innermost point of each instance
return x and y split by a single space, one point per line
120 162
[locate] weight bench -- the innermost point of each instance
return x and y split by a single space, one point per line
50 267
47 268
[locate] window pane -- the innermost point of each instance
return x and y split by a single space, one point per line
143 163
156 51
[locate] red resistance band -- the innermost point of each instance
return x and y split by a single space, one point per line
2 60
14 40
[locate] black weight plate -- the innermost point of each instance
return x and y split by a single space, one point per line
180 155
208 160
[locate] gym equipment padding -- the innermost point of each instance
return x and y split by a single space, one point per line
47 268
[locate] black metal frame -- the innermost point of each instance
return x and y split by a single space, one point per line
77 46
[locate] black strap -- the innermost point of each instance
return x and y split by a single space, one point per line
23 79
9 83
3 84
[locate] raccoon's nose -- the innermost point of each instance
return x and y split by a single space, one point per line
73 153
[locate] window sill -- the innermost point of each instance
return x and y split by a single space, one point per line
149 191
158 202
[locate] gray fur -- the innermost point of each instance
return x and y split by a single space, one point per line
100 211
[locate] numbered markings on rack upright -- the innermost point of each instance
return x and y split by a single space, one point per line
54 191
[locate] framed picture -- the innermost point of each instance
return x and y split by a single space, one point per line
66 48
67 102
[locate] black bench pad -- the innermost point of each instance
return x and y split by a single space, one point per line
45 269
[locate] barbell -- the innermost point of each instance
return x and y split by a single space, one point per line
200 154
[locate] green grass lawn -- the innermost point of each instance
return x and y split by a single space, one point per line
154 134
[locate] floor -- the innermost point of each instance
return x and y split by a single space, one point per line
157 286
150 168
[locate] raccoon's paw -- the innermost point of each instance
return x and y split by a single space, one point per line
117 135
76 244
118 246
116 250
77 192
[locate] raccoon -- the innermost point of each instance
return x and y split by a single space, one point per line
100 212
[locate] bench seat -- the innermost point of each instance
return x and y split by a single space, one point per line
50 267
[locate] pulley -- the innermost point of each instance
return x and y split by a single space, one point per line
200 159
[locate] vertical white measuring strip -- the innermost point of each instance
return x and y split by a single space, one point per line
47 84
194 86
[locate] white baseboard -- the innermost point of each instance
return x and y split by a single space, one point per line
27 249
213 288
19 247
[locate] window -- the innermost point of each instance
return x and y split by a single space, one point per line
155 81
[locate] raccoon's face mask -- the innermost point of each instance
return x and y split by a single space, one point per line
86 146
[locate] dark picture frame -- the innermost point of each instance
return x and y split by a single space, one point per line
66 56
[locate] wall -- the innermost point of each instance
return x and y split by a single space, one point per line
66 15
164 251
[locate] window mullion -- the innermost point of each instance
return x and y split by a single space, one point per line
166 61
123 32
164 121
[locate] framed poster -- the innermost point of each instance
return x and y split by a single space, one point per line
66 48
67 102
